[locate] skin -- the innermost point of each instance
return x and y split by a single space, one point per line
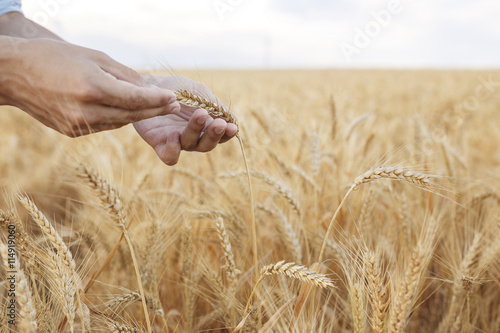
100 94
169 134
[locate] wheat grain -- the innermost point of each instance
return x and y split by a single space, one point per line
282 190
21 289
377 292
230 266
117 327
393 173
407 292
357 307
123 300
47 228
297 272
215 110
64 287
106 193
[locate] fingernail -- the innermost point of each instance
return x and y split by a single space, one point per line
201 120
219 130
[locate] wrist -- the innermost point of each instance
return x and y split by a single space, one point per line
11 50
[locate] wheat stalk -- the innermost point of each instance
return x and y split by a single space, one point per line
110 200
215 110
290 239
371 175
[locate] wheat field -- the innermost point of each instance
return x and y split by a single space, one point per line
376 206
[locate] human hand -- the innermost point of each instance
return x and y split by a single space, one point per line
76 90
191 129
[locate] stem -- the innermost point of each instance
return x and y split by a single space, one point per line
330 226
254 229
106 262
251 295
139 281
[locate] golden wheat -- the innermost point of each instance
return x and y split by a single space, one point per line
402 258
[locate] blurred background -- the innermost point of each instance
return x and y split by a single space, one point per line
266 34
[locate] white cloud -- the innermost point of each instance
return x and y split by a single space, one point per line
291 33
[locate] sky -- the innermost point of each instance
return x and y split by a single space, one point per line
274 34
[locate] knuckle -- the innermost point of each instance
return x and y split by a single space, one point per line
136 102
205 149
135 116
189 147
87 92
170 162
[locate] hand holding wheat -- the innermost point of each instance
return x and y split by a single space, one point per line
192 129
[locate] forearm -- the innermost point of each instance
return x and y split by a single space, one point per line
14 24
11 53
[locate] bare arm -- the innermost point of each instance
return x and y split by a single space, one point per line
72 89
14 24
77 91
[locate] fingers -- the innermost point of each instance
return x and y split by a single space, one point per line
203 133
119 117
128 96
191 134
231 131
170 151
212 135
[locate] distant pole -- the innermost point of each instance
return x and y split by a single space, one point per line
266 59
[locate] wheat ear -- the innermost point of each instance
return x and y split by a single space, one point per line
401 174
23 293
230 266
64 287
215 110
290 239
377 292
406 295
49 231
282 190
357 307
123 300
111 201
294 271
393 173
62 263
462 285
117 327
218 111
